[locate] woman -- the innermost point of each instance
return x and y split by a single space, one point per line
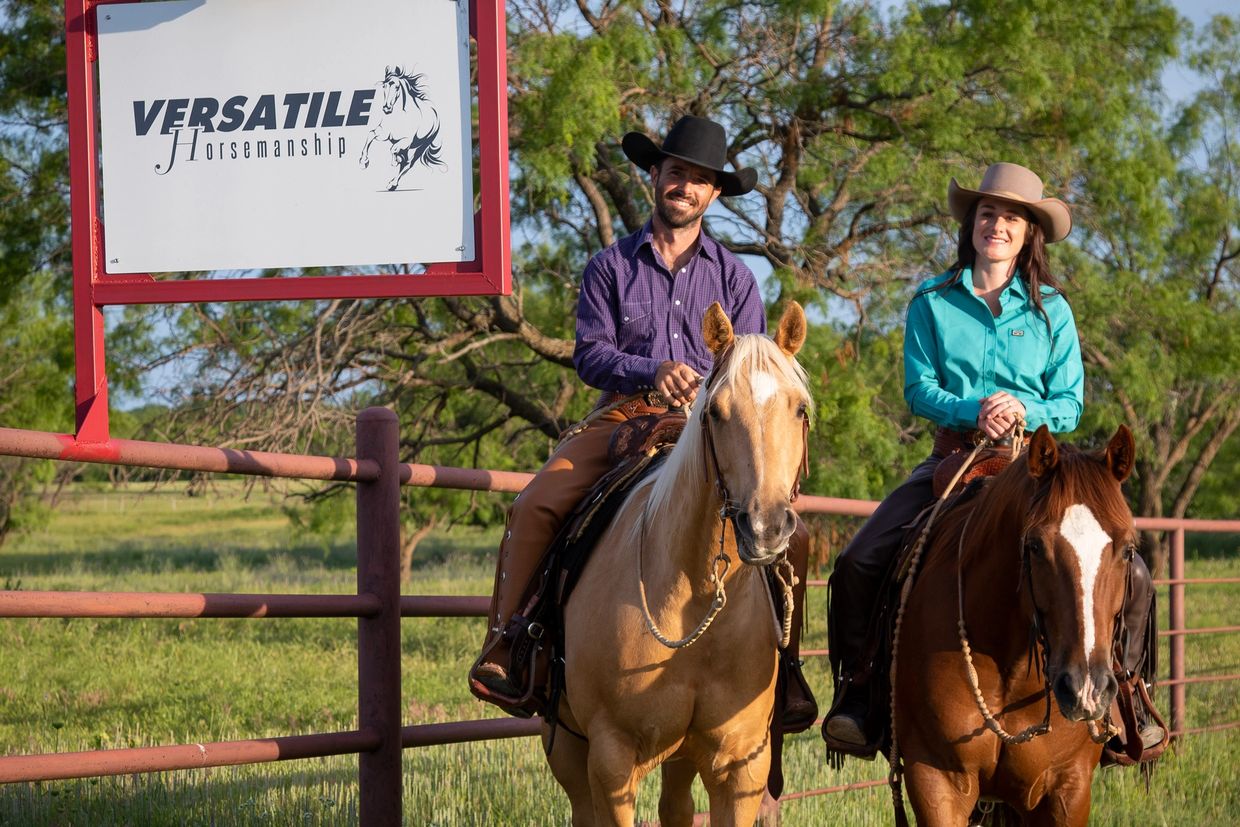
989 343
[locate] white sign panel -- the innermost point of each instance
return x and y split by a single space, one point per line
246 134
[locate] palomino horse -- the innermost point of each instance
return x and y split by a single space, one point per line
409 123
631 701
1019 599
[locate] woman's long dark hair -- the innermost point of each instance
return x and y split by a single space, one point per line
1030 261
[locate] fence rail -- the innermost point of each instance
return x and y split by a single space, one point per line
379 608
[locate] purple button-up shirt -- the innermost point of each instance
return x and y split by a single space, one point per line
634 314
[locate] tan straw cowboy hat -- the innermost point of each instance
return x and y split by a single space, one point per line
1012 182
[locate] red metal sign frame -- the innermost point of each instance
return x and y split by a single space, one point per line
93 288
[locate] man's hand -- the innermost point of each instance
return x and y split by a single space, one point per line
999 413
678 382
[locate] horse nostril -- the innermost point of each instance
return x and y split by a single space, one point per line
790 519
1065 686
743 524
1112 686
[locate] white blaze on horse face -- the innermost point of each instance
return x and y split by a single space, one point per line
763 386
1081 530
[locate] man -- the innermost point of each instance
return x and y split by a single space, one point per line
639 340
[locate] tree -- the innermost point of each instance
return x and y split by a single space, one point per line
1158 273
855 118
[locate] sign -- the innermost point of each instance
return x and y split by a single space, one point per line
254 134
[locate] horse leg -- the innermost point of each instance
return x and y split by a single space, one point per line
405 166
568 759
736 785
1066 806
370 139
939 799
676 795
613 778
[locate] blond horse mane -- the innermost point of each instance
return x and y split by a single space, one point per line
685 467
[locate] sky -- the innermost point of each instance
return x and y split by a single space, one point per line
1178 81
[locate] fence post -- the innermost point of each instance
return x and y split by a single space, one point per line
1175 611
378 637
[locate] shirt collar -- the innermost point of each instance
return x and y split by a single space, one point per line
707 245
1016 285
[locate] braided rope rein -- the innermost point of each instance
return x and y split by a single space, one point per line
1099 732
895 774
787 578
716 578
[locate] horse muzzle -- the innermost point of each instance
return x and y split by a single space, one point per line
756 547
1087 698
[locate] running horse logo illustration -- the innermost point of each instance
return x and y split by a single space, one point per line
409 123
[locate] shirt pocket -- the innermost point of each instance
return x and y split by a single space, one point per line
636 322
1028 351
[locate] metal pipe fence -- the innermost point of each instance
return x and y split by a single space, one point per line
379 607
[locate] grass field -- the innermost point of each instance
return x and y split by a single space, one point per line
87 684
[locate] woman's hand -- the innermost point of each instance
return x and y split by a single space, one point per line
999 414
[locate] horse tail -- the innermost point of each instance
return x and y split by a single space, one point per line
431 142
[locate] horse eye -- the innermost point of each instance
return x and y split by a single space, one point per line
1129 551
714 411
1034 547
802 410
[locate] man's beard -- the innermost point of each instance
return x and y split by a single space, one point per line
684 215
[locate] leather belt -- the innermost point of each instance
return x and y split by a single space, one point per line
634 404
948 441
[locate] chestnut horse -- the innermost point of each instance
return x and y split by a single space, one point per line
1019 599
634 697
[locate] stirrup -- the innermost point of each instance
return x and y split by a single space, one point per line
495 678
799 716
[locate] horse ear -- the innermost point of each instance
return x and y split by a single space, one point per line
716 329
791 333
1121 453
1043 452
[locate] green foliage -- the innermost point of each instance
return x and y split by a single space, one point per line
855 115
1155 282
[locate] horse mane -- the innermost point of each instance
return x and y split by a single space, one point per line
410 87
686 466
1013 499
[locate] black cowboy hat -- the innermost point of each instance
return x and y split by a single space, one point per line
699 141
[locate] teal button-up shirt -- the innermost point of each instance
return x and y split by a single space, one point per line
956 352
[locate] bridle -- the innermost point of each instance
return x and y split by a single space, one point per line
728 512
1098 733
710 458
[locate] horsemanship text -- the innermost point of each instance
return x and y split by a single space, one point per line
300 110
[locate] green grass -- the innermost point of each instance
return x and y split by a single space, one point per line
99 683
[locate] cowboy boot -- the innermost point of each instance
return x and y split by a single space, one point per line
514 567
800 709
1138 611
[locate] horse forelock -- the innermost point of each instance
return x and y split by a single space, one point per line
752 355
1082 478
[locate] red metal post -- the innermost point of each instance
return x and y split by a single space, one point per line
91 386
378 637
1177 622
